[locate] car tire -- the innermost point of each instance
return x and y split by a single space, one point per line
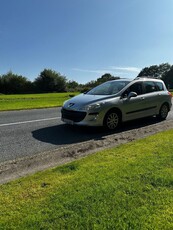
163 113
112 120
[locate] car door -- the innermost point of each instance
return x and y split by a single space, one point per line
152 97
134 107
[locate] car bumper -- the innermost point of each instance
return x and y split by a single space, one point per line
81 118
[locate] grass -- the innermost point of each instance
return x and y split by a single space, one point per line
33 101
127 187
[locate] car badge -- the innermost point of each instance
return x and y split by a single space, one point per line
70 105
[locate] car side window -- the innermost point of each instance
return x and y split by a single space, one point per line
159 86
136 87
150 87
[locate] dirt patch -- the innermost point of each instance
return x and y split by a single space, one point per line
21 167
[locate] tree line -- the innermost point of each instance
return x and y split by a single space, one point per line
50 81
163 71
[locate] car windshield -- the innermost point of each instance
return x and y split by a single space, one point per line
108 88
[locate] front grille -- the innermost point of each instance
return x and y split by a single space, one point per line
73 115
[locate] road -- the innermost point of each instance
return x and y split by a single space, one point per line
29 132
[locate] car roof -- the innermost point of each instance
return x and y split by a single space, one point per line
137 79
147 79
122 79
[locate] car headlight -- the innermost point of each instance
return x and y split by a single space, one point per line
92 106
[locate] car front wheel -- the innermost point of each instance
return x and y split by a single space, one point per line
112 120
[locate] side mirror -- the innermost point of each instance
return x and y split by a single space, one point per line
132 94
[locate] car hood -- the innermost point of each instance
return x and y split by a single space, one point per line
84 99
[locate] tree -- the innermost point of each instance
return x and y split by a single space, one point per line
0 84
168 78
155 71
72 86
12 84
164 69
106 77
102 79
50 81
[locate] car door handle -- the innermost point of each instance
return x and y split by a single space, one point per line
142 98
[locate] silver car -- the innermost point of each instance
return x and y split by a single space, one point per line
118 101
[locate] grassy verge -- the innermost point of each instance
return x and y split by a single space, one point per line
128 187
32 101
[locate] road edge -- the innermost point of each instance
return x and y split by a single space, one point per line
12 170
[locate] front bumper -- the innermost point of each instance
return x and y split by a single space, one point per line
81 118
72 115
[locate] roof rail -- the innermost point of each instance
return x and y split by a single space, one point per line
151 77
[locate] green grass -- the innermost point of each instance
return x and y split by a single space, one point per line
127 187
33 101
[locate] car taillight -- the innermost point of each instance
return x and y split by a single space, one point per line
170 94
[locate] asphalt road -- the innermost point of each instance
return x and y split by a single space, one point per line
29 132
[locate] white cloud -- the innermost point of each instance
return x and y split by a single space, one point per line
119 71
101 71
126 69
112 70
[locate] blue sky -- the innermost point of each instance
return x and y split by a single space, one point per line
83 39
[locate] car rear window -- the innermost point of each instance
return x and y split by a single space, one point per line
150 87
159 86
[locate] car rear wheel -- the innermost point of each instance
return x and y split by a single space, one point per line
163 112
112 120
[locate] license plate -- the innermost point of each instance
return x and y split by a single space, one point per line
70 122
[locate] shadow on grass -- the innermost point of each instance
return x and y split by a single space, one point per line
65 134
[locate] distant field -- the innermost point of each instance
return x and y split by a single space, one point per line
32 101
